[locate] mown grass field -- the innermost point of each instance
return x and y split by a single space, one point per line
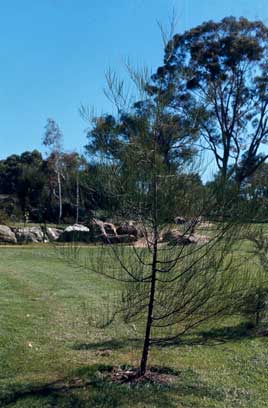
49 353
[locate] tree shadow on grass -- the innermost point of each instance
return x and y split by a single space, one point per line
113 344
209 337
220 335
90 387
54 394
228 333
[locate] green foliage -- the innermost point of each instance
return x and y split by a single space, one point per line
4 218
22 181
255 307
133 148
218 71
27 184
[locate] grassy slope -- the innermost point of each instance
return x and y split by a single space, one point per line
45 337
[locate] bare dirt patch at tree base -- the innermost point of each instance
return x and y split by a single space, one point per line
131 376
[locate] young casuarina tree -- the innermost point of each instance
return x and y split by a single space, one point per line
172 280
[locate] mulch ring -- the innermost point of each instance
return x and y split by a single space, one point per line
154 375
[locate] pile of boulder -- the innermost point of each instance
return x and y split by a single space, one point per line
7 236
19 235
96 231
101 231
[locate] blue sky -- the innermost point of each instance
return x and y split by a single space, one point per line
54 54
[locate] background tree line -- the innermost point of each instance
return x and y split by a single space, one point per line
29 186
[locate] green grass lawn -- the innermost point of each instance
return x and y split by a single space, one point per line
49 351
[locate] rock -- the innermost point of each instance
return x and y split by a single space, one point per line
75 233
76 227
110 228
104 353
53 233
175 237
128 228
118 239
110 234
98 231
103 231
180 220
126 239
199 239
29 234
104 228
206 224
7 235
142 243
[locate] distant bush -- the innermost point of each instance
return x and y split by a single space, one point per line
4 218
255 307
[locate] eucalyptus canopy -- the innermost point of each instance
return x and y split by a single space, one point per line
219 72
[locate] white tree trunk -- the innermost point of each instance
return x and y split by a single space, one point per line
77 198
60 196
